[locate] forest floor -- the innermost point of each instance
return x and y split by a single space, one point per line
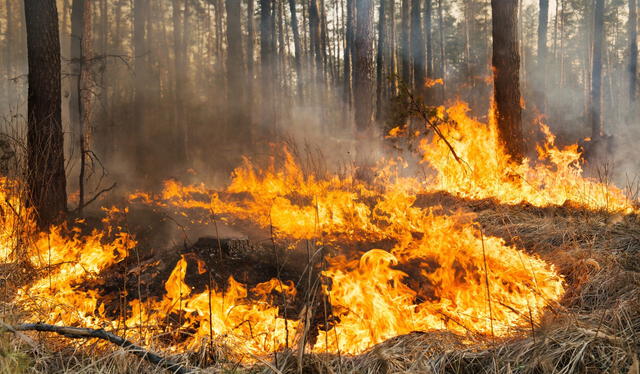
594 329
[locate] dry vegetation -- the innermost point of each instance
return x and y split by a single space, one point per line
593 330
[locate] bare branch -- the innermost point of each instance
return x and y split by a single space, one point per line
86 333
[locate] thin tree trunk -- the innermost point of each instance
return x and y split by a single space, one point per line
633 51
443 57
543 20
595 112
392 52
266 60
140 81
348 53
297 49
8 47
405 52
84 89
45 143
427 30
382 37
417 47
239 127
251 37
363 66
506 64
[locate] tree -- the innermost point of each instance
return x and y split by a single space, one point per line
506 76
382 38
45 143
543 19
140 66
427 31
405 52
417 46
297 47
595 107
348 53
363 65
633 51
235 73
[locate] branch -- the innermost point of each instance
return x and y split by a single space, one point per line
420 111
96 196
86 333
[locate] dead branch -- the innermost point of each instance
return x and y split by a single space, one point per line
96 196
86 333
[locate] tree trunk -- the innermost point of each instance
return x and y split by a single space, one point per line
443 56
8 47
239 128
543 19
348 53
315 45
405 52
45 143
633 51
138 142
266 61
363 66
382 37
427 30
417 47
179 92
76 66
297 48
595 111
250 63
506 77
85 89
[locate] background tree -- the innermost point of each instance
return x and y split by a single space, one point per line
506 76
363 65
633 51
45 149
595 107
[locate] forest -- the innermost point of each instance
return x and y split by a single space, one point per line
319 186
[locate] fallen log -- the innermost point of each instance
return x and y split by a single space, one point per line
87 333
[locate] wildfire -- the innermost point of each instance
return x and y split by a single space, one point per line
439 270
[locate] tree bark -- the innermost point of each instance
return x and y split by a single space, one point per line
138 142
595 107
235 73
405 53
506 76
348 53
363 66
45 143
633 51
382 37
297 48
267 61
417 47
443 56
427 30
543 19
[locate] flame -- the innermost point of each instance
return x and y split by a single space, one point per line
489 173
439 270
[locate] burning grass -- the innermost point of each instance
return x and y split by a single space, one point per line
486 266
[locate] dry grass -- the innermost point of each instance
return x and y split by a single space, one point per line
595 329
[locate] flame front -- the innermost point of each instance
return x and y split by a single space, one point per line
438 270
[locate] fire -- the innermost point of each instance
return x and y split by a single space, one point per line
489 173
438 270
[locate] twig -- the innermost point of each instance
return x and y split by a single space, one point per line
96 196
86 333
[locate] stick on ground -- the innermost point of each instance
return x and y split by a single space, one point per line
86 333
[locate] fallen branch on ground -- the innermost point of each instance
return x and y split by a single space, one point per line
86 333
